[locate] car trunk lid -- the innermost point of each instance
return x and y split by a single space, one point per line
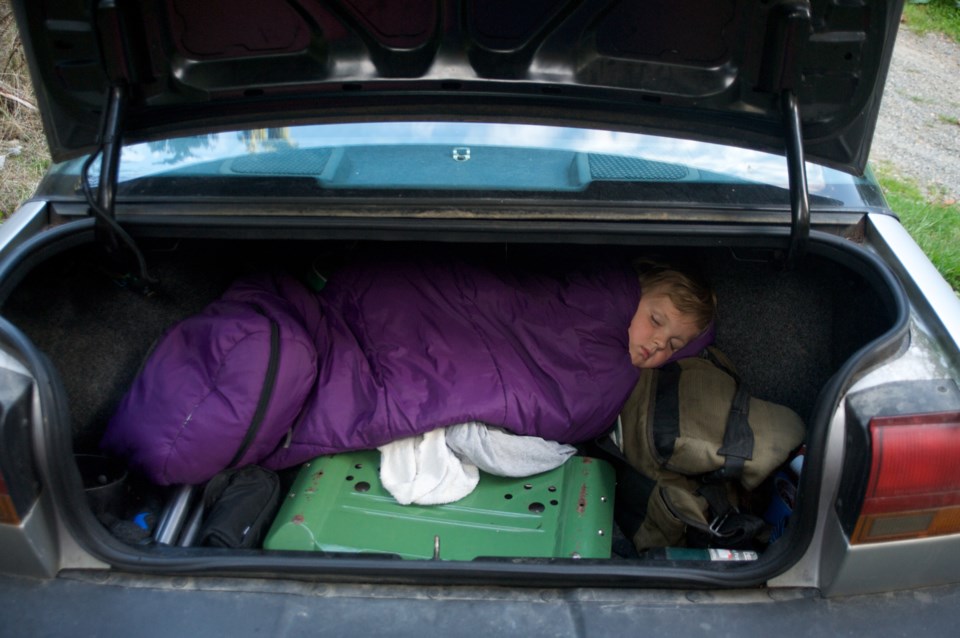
713 71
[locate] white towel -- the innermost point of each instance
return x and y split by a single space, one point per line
422 469
496 451
442 466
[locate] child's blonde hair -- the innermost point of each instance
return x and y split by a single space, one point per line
690 294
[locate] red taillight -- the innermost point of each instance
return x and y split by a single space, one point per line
8 513
914 485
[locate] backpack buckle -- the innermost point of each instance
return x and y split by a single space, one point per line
718 522
716 526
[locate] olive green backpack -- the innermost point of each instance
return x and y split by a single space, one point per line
698 444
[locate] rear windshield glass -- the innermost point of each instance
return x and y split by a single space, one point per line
467 159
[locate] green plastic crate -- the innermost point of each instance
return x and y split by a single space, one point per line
337 504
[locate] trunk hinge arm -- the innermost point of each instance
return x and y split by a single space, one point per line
797 173
110 145
126 261
117 243
110 39
788 29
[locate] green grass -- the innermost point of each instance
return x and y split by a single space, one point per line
941 16
935 226
932 222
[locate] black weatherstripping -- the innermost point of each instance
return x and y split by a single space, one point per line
561 573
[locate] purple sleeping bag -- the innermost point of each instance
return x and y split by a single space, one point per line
220 388
388 349
409 346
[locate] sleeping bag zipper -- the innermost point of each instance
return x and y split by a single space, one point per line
265 392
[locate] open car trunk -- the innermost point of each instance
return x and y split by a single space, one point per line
796 336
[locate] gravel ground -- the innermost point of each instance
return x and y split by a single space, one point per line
918 132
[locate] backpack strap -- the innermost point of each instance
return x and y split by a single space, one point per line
633 489
738 439
728 527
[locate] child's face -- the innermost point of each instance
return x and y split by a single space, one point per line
658 330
